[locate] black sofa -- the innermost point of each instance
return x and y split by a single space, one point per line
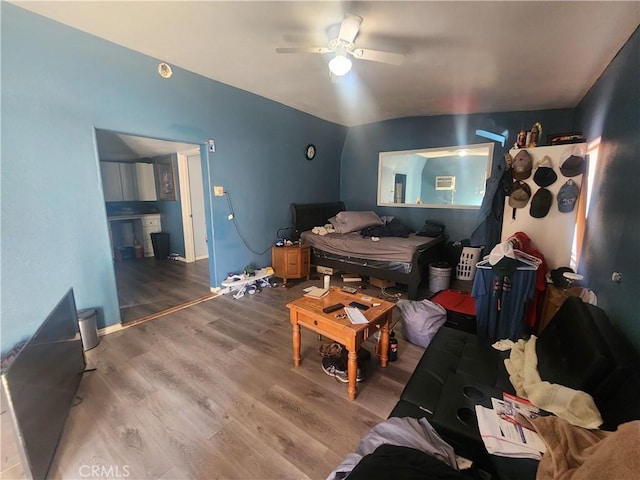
579 348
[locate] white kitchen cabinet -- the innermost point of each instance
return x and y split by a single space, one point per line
111 184
150 224
128 180
146 182
118 181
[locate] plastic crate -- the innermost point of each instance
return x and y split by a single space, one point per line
466 268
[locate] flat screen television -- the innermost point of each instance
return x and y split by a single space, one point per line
41 383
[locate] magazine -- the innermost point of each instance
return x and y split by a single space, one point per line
511 428
519 410
504 438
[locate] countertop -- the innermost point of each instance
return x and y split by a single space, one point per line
131 216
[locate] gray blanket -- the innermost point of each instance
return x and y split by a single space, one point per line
392 249
402 432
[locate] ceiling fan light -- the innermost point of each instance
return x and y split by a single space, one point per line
340 65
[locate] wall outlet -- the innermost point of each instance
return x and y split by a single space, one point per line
218 191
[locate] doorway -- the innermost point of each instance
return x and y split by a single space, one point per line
147 286
400 187
194 222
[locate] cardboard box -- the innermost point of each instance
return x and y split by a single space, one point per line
381 283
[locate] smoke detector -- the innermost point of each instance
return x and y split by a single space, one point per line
165 71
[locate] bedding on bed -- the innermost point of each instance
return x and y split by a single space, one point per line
393 249
391 228
353 221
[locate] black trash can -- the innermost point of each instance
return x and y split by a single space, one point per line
160 242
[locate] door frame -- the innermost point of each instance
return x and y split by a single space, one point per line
185 200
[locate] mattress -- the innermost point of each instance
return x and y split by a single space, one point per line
390 249
402 267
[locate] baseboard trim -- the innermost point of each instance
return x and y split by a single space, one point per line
170 310
121 326
111 329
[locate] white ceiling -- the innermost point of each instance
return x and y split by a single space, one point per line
461 57
118 147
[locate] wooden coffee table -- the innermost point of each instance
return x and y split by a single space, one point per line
307 312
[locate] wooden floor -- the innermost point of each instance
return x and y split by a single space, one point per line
149 286
210 391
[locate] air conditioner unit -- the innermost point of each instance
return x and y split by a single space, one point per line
447 182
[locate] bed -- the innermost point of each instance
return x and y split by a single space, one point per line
401 260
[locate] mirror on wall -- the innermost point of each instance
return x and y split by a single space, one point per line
447 177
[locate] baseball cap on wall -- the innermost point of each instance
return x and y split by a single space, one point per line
522 165
573 166
520 195
541 203
567 197
545 175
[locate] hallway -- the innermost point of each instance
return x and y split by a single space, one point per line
149 286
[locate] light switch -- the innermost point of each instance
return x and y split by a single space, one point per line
218 191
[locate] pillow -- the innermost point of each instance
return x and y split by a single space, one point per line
352 221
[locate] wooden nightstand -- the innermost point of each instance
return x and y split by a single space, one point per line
291 262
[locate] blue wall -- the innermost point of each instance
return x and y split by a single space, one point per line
611 110
359 173
58 84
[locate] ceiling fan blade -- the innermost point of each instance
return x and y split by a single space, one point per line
378 56
303 50
349 27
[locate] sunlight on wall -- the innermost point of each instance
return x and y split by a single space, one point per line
585 203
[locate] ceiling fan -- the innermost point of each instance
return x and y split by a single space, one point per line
344 47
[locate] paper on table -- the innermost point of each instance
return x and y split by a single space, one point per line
355 315
317 293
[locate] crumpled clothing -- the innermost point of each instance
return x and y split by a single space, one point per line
575 406
402 432
504 345
328 228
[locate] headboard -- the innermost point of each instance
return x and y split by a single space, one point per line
308 215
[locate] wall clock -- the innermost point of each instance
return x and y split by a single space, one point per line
310 152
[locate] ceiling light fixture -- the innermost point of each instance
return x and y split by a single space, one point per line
340 64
